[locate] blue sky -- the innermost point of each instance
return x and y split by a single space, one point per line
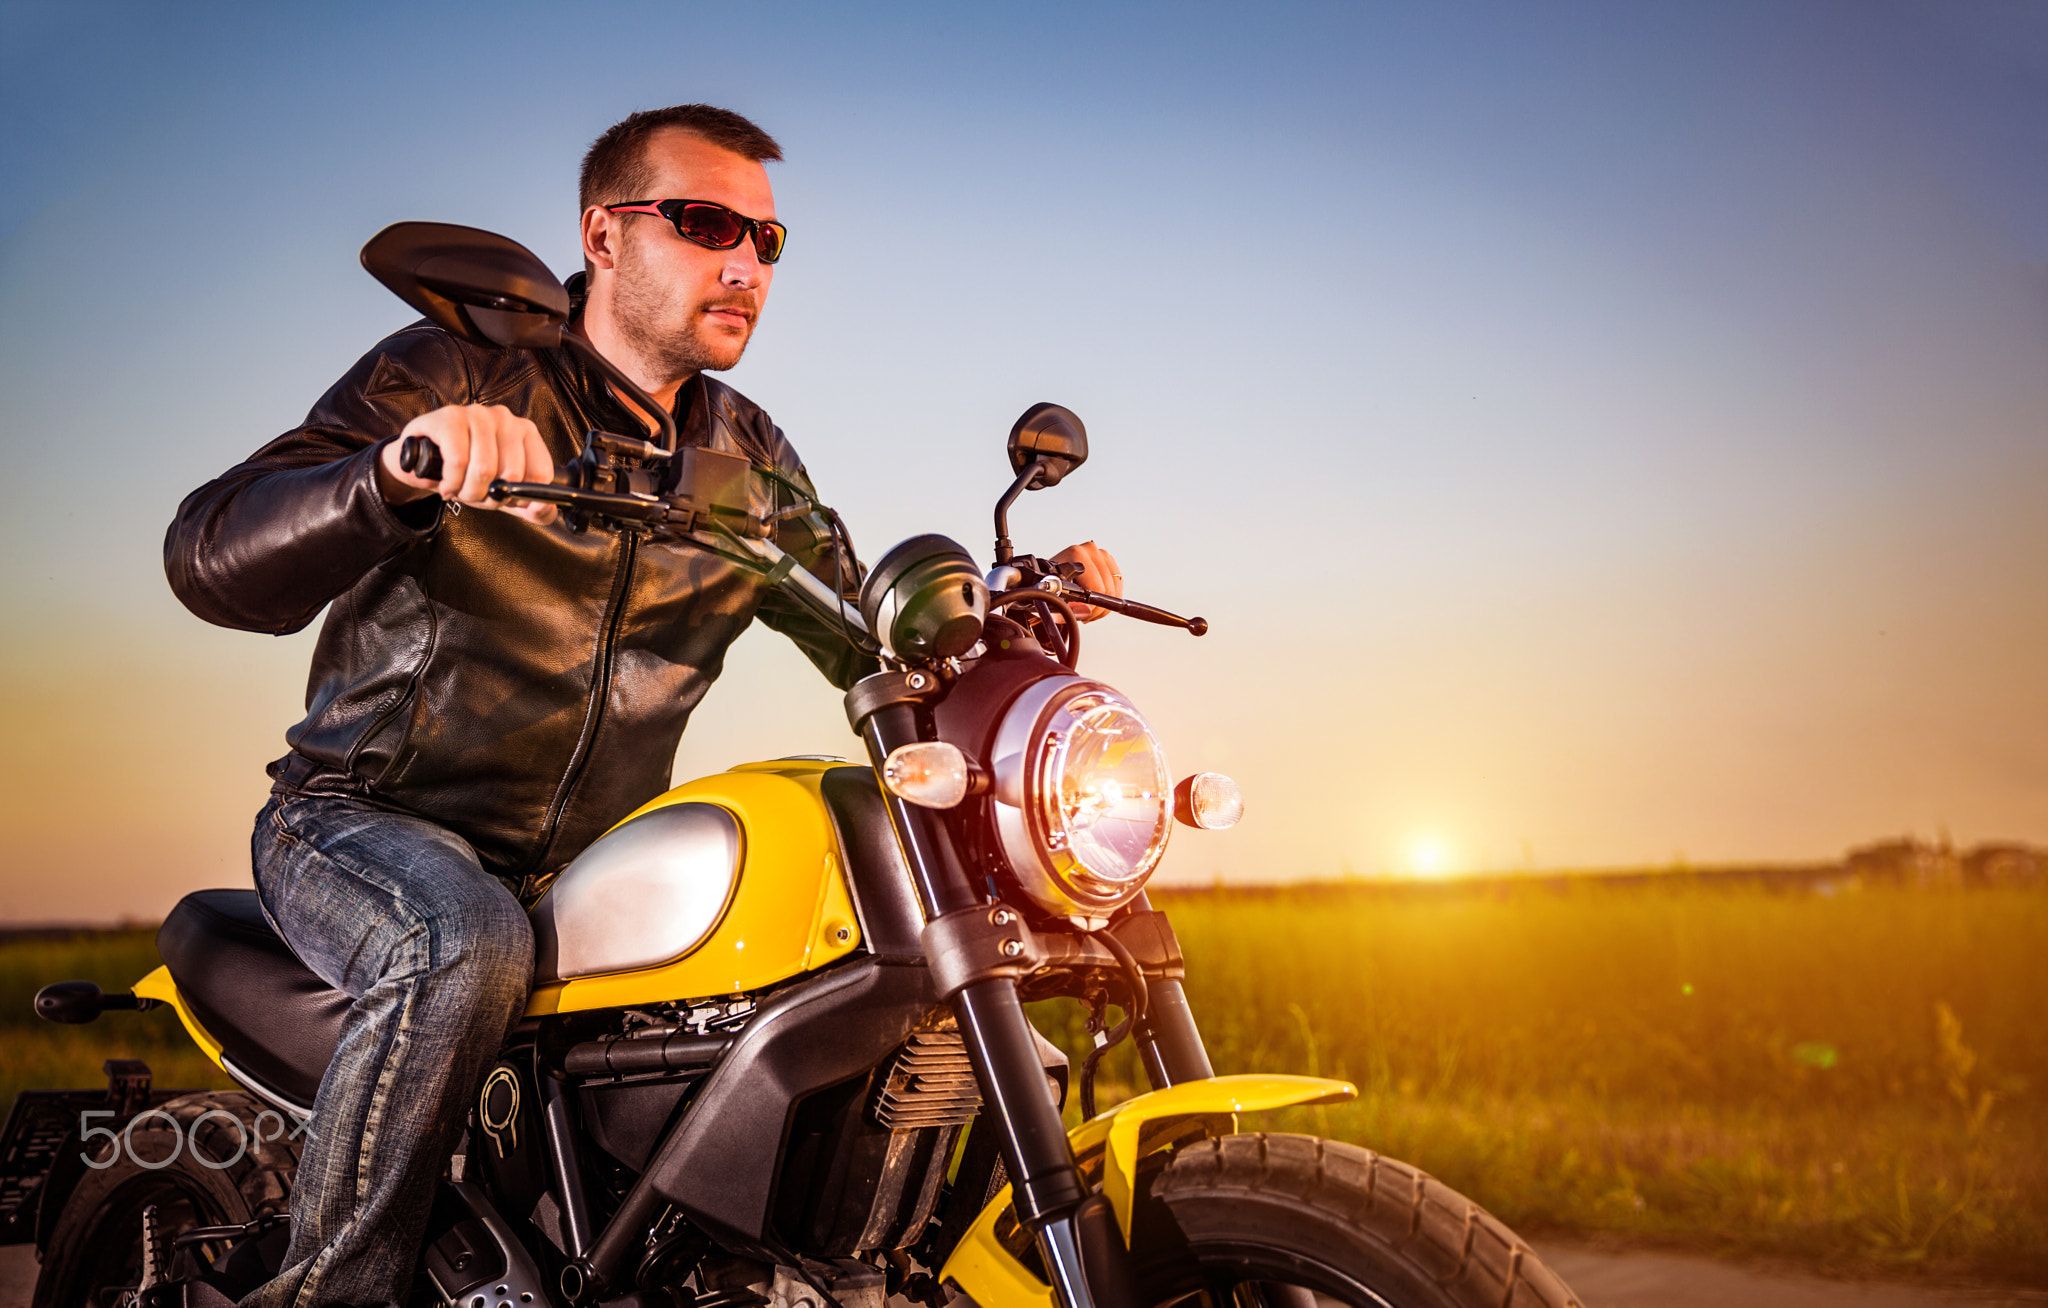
1598 433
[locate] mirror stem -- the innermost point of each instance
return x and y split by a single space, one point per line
1004 550
579 345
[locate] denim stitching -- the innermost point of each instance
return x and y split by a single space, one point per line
373 1121
364 895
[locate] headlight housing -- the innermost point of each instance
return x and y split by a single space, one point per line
925 600
1083 796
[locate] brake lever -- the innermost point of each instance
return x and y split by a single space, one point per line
422 458
604 504
1132 609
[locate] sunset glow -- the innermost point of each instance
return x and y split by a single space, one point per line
1641 452
1429 857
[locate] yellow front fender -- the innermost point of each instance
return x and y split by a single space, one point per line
1119 1128
1107 1148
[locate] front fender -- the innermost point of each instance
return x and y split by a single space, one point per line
985 1264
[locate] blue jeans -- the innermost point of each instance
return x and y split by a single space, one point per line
437 953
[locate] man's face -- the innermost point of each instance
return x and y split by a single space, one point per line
677 303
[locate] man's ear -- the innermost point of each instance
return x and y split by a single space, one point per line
601 234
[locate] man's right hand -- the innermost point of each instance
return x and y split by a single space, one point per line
479 443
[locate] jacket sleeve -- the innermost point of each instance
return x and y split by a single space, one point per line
809 541
266 545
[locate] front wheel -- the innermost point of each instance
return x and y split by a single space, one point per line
1258 1221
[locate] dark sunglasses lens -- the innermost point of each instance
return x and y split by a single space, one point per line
768 238
711 225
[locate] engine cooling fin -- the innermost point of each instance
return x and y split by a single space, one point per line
929 1082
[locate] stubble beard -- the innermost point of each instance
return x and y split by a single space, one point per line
644 313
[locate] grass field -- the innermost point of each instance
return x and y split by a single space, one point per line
1854 1080
36 1055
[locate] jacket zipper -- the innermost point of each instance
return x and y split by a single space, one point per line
600 691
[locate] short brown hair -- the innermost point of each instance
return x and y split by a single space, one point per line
615 168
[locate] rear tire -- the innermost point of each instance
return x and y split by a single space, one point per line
1251 1221
230 1160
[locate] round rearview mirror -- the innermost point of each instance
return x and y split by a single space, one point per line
1051 435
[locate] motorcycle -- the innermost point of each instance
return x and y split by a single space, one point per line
776 1053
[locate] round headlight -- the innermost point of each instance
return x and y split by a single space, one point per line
1084 799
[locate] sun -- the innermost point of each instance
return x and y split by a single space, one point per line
1429 857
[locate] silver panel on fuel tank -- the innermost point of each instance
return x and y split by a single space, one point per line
646 893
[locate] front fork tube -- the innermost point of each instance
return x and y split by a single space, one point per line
1168 1043
1043 1178
1085 1257
1086 1269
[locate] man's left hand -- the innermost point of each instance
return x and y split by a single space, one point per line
1099 573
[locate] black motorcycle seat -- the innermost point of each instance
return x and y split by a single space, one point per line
276 1020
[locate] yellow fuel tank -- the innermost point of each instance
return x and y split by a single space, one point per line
751 884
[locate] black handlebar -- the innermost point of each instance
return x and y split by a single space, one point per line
420 457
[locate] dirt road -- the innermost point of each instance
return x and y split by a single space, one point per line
1603 1280
1654 1280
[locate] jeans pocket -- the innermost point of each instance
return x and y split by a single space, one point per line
304 894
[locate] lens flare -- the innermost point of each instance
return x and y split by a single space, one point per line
1108 799
1083 798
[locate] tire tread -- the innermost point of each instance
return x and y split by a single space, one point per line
257 1183
264 1172
1465 1250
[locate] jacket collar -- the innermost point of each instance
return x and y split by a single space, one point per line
608 411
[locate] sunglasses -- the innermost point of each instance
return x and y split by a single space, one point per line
712 226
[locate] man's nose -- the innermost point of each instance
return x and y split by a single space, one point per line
742 266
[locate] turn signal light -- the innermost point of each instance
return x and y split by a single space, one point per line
930 774
1208 800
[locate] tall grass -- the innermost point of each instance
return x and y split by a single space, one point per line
1853 1080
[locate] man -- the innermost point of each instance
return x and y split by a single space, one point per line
490 690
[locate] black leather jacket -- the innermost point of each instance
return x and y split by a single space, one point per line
524 686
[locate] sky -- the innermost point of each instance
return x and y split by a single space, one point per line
1598 434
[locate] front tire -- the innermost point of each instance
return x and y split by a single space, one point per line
211 1159
1255 1220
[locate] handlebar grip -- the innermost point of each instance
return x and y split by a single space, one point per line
420 457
